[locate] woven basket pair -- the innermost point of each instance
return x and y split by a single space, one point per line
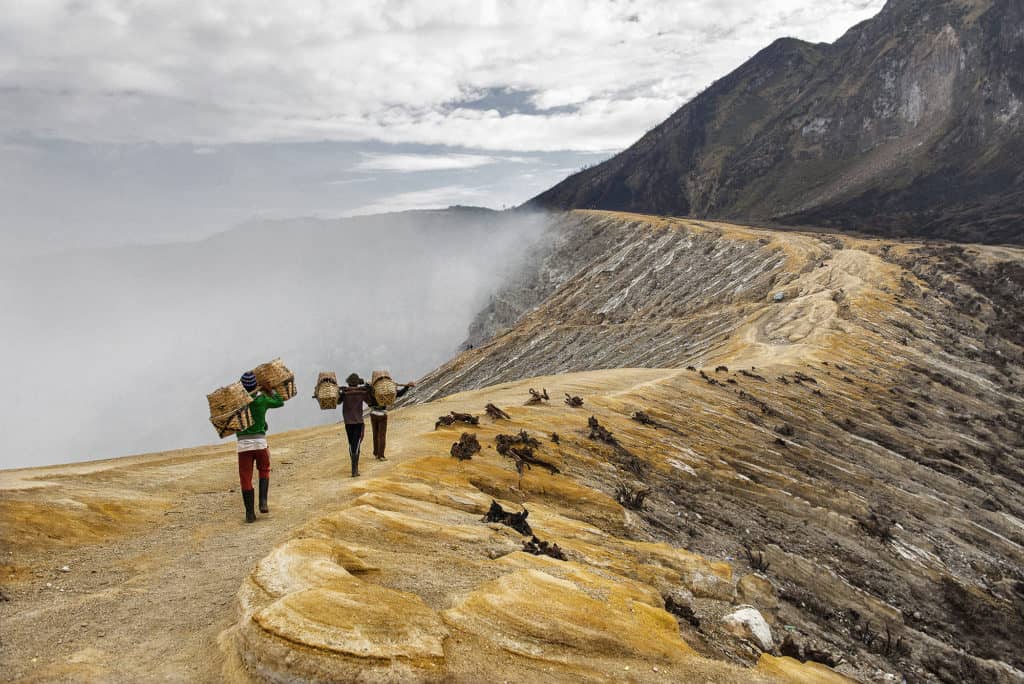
229 409
327 392
276 377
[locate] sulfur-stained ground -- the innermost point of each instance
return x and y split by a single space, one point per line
399 556
858 443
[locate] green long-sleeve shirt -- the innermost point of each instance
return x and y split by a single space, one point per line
258 408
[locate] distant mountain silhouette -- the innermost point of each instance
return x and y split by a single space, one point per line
910 124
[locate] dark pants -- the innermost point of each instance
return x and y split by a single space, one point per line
355 440
379 427
261 457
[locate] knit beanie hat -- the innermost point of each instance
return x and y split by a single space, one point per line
249 381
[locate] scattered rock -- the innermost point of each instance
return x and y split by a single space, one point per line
679 602
806 652
758 592
746 622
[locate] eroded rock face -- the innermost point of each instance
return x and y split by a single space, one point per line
406 581
863 437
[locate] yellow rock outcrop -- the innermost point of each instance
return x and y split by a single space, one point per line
406 582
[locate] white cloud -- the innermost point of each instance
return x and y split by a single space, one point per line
433 198
206 73
409 163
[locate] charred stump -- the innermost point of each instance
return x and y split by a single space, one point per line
496 413
537 397
466 447
543 548
517 521
599 432
456 417
574 402
631 497
520 448
644 419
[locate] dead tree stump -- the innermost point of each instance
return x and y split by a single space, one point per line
644 419
465 447
496 413
574 402
520 448
542 548
631 497
456 417
517 521
537 397
599 432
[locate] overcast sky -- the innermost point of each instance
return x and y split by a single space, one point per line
128 121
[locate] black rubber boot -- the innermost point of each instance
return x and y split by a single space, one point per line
355 464
264 487
250 510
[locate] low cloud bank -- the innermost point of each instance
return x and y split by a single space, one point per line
111 352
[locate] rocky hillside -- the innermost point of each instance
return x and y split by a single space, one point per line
749 456
141 569
910 125
852 413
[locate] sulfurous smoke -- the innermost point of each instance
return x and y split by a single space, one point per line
112 352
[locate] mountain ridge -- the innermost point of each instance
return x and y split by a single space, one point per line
907 125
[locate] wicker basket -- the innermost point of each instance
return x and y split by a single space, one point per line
230 423
229 409
228 399
276 377
327 392
385 391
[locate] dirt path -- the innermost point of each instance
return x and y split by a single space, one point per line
156 545
149 604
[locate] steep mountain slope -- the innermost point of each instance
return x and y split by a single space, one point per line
912 124
869 424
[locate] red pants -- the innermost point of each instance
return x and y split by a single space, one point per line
245 460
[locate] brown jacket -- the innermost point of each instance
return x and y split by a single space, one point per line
352 400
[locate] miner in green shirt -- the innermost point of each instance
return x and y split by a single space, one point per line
252 446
